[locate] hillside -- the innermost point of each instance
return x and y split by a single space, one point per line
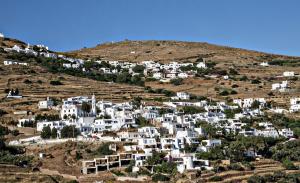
245 62
166 51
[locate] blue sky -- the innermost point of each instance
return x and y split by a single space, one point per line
264 25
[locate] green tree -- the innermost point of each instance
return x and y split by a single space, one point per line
69 132
46 132
255 105
54 133
192 109
177 81
138 69
156 158
103 149
86 108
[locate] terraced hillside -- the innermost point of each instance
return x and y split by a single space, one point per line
11 173
245 62
166 51
33 83
262 167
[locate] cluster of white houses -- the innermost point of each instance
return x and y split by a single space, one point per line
168 132
179 129
163 72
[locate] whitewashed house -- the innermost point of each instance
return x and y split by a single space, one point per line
280 86
45 104
295 104
149 132
264 64
201 65
52 124
288 74
286 132
181 96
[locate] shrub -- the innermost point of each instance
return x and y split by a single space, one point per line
192 109
138 69
233 72
236 166
54 133
2 112
289 165
117 172
176 82
27 81
233 92
244 78
216 178
78 155
103 149
255 81
69 132
166 167
3 130
224 93
46 132
15 132
256 179
56 82
160 177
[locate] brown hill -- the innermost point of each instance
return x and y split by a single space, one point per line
165 51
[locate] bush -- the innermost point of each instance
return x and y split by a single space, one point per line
224 93
2 112
192 109
46 132
54 133
236 166
256 179
117 172
176 82
216 178
3 130
255 81
27 81
233 92
244 78
15 132
289 165
56 82
160 177
233 72
103 149
69 132
166 167
138 69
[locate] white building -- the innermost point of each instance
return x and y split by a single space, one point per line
71 110
264 64
52 124
280 86
149 132
1 35
201 65
288 74
295 104
45 104
181 96
247 102
11 62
